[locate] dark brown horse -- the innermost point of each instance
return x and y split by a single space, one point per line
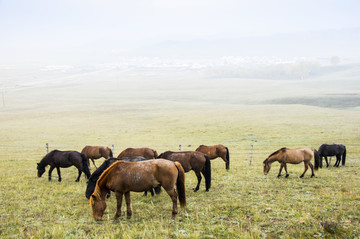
143 152
293 156
64 159
192 160
216 151
107 163
96 152
123 177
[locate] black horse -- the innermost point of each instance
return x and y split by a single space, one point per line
63 159
96 174
337 150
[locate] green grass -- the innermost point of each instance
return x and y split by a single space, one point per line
242 202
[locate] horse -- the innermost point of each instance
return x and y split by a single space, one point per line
63 159
143 152
96 152
337 150
123 177
216 151
192 160
96 174
293 156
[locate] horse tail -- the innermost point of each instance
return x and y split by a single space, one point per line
111 153
316 159
227 158
344 156
85 167
207 173
155 154
180 184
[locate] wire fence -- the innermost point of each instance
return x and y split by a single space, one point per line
251 152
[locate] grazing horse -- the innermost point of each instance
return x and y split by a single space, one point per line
337 150
122 177
216 151
96 152
64 159
192 160
143 152
293 156
95 175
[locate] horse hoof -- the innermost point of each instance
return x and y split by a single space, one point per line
195 189
301 176
279 176
287 175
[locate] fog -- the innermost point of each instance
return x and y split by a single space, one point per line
196 52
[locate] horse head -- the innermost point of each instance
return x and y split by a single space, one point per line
267 166
98 206
41 170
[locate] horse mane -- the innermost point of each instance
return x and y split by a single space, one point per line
277 151
48 155
102 177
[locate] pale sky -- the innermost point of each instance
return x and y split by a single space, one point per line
47 29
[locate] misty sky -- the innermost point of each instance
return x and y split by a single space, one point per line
32 31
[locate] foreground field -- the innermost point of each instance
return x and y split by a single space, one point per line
242 202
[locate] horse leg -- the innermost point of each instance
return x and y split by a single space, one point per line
78 178
58 171
173 195
198 175
306 168
119 197
320 162
326 160
312 169
287 174
93 162
281 167
50 171
128 205
338 159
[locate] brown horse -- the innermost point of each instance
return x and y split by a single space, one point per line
216 151
96 152
63 159
192 160
293 156
122 177
134 152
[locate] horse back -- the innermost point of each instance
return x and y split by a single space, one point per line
133 176
298 155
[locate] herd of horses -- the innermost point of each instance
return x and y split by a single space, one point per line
144 170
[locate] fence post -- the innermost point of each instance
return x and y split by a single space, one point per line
47 148
179 147
251 153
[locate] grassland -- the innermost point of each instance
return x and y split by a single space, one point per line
242 202
125 109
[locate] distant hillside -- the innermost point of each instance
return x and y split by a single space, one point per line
342 43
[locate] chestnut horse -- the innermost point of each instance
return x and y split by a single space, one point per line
107 163
143 152
96 152
216 151
192 160
293 156
122 177
63 159
337 150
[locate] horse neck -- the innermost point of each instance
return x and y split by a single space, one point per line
273 159
44 161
